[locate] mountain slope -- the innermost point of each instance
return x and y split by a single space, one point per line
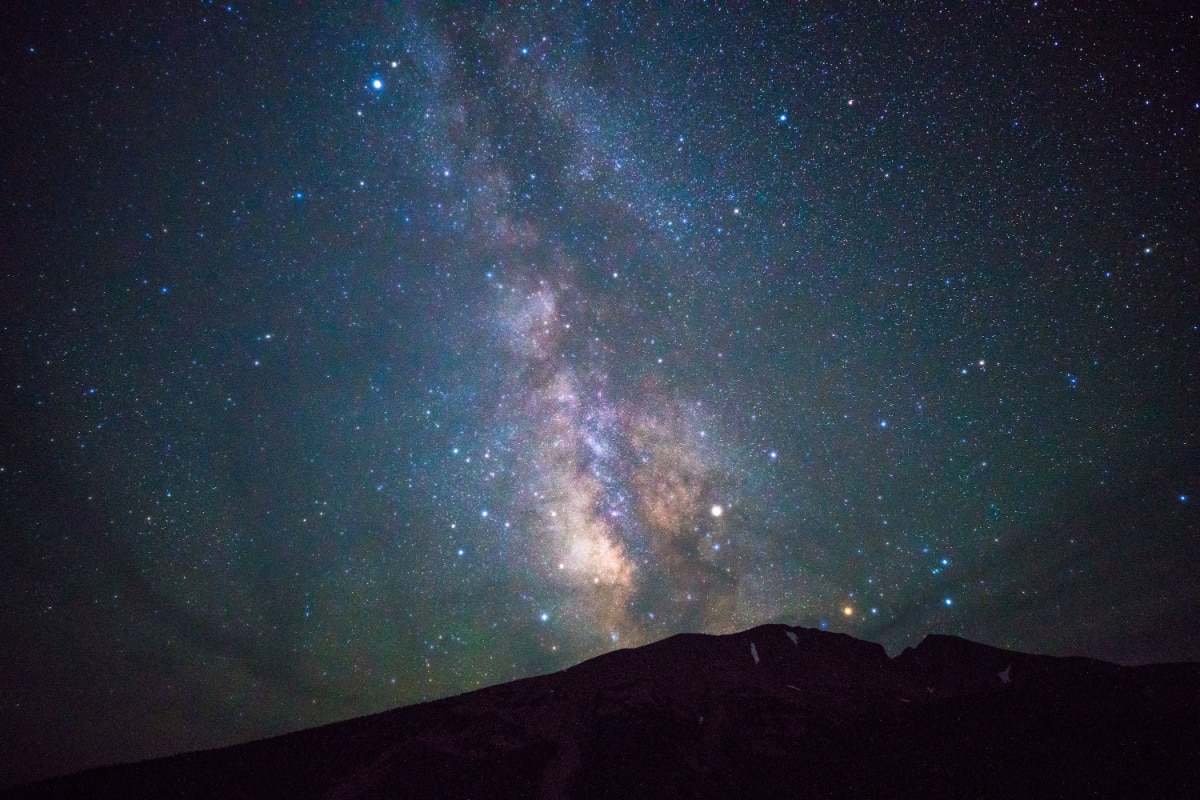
770 712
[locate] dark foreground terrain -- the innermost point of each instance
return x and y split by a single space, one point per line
771 712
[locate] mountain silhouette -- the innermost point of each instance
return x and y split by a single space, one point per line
770 712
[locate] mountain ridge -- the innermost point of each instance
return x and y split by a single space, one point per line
774 710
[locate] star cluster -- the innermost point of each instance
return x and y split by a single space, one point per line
354 357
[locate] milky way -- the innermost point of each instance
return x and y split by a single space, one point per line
620 483
358 357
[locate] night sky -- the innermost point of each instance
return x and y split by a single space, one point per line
353 358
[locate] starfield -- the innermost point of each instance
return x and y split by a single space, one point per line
359 355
